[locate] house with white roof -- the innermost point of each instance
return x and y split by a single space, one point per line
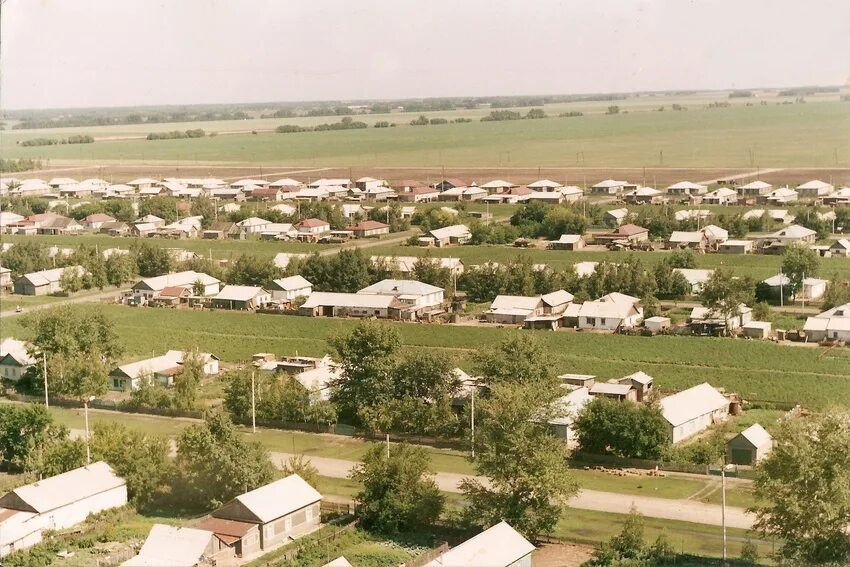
454 234
694 240
779 196
463 194
15 359
691 214
641 382
57 503
694 410
241 297
290 288
610 312
511 309
44 282
642 196
695 277
686 188
329 304
840 247
616 217
754 188
614 390
707 319
546 185
736 246
832 324
498 546
721 196
147 289
812 288
253 225
406 264
838 197
814 188
286 182
568 242
609 187
281 510
749 446
498 186
418 295
715 234
793 234
330 183
159 369
175 546
566 409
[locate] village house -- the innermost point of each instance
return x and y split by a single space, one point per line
498 546
571 193
628 233
692 411
694 240
641 382
615 217
406 264
686 188
521 195
266 516
832 324
57 503
329 304
721 196
420 296
463 194
545 185
220 230
182 547
756 329
451 183
454 234
115 228
419 195
312 229
814 188
643 196
279 231
511 309
696 277
779 196
568 242
158 369
252 225
736 247
840 247
58 225
749 446
610 312
5 278
837 197
691 214
498 186
96 221
288 289
754 189
776 242
147 289
142 183
15 359
369 228
706 321
812 288
566 409
610 187
657 324
241 298
715 235
614 391
266 194
45 282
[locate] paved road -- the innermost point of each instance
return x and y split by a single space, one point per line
682 510
111 294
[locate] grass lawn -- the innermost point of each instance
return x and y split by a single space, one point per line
738 136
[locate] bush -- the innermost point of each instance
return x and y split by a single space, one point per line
40 142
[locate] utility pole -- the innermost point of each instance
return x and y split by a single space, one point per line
253 406
723 506
46 402
472 417
86 411
388 446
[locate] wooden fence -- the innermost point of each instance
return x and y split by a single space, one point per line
428 556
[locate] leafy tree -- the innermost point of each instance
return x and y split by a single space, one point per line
151 260
78 376
62 456
562 220
683 259
368 357
187 381
397 495
215 464
151 394
837 292
70 281
425 386
162 207
528 481
139 458
628 548
749 553
761 311
25 257
518 358
798 263
204 207
724 293
276 398
30 441
628 430
803 489
297 464
429 270
249 269
120 268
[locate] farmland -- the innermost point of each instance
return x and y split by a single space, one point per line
771 135
756 370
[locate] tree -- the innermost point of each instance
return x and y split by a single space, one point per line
398 495
637 431
249 269
215 464
25 257
429 270
186 381
368 358
798 263
162 207
30 441
79 376
70 281
628 548
120 268
837 292
204 207
151 260
139 458
724 294
297 464
425 386
525 465
518 358
803 489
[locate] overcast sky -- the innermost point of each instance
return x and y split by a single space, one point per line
71 53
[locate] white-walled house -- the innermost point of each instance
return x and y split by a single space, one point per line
694 410
833 324
292 287
148 288
410 292
57 503
610 312
179 547
161 369
15 359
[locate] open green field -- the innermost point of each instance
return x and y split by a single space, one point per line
758 370
813 134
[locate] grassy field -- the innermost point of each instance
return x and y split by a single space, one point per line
766 136
755 369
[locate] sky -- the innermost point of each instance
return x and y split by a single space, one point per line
86 53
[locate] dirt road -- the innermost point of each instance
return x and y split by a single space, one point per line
682 510
111 294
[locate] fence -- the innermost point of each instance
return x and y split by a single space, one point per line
428 556
613 461
293 552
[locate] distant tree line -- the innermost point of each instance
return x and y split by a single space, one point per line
500 115
28 123
16 165
78 139
177 134
346 123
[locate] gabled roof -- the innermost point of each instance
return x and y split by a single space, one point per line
17 350
608 183
368 225
692 403
629 230
617 389
721 192
502 302
793 231
356 300
239 293
291 283
498 546
46 277
757 185
188 277
558 297
569 238
252 221
757 435
277 499
312 223
400 287
498 184
687 185
544 184
455 230
682 236
640 377
286 182
618 213
815 184
63 489
170 546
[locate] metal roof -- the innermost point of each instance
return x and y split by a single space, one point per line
279 498
498 546
66 488
692 403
